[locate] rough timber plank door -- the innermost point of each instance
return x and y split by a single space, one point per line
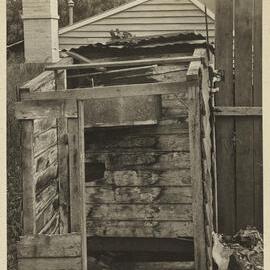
225 126
244 126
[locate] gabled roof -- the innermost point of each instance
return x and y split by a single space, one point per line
120 9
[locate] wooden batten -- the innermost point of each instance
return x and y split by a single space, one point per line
29 198
194 72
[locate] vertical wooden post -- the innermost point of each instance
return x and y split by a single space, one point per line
61 84
29 198
196 176
77 179
225 152
257 126
244 126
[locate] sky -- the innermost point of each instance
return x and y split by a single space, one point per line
210 4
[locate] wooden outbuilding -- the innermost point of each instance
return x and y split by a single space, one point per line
118 158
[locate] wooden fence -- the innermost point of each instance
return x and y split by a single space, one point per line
239 138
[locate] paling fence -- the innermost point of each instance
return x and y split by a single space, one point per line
239 132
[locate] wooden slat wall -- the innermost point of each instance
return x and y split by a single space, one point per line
239 139
146 188
150 18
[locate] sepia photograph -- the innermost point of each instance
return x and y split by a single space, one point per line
134 135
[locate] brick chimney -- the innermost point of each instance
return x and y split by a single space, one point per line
40 19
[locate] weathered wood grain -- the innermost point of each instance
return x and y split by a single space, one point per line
46 178
63 176
45 246
49 264
44 217
147 160
44 140
37 109
142 178
42 125
154 61
118 142
238 111
196 175
82 206
72 126
257 96
45 160
46 197
224 126
52 227
102 92
160 229
138 195
243 127
179 212
29 206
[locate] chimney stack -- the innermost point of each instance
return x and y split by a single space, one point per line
40 19
70 11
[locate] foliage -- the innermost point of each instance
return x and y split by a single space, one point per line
82 9
17 74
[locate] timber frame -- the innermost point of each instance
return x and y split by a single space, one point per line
67 106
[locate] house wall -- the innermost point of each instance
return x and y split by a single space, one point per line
153 17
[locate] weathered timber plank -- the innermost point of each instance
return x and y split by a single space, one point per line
183 59
45 160
155 266
45 110
50 264
160 229
154 161
62 144
193 72
102 92
74 187
45 246
46 197
146 178
28 178
44 217
257 96
45 80
237 111
44 140
138 195
82 206
225 154
52 227
46 178
120 142
244 127
180 212
196 176
42 125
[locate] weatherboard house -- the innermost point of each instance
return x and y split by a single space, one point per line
117 148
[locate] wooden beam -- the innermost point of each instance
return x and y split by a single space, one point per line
193 72
237 111
29 207
153 61
45 109
197 181
78 57
82 207
113 91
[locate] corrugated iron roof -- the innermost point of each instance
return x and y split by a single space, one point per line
189 39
